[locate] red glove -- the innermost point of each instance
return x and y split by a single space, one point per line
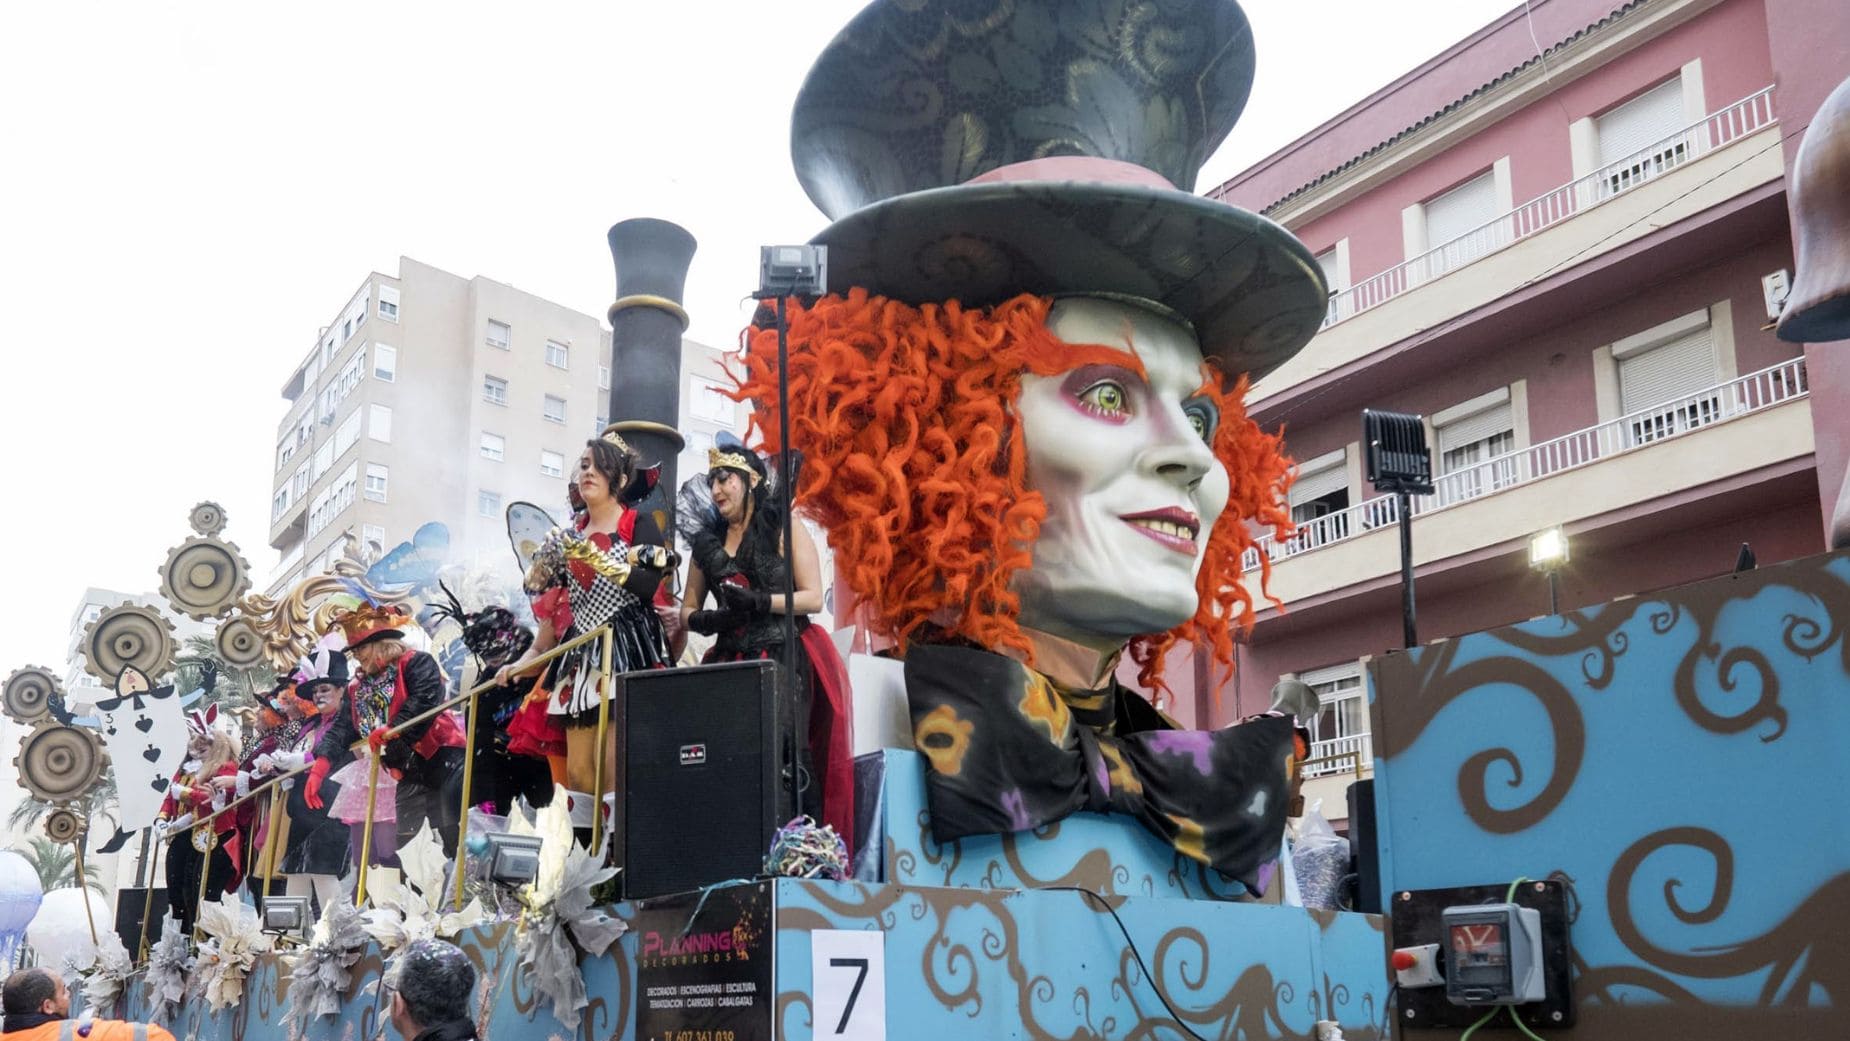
316 774
378 738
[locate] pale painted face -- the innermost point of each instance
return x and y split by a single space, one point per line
593 488
1131 486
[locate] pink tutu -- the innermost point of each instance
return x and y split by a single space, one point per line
349 805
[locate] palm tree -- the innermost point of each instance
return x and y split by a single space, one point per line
97 807
232 687
56 864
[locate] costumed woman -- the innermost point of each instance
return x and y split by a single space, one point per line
605 568
733 523
502 775
276 724
315 852
394 686
197 843
1021 409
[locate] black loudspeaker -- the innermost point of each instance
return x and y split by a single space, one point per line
701 790
129 903
1364 847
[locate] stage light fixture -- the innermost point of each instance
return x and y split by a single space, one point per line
1548 553
513 860
1548 550
286 915
792 271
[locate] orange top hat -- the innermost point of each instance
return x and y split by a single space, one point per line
373 622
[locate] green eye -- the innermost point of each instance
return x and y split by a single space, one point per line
1105 396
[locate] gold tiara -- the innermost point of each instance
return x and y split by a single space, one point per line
731 461
617 439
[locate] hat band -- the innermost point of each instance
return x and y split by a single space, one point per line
1086 168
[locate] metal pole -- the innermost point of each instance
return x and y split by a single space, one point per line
788 494
147 904
366 831
270 843
1554 593
462 826
1405 504
607 649
205 876
83 883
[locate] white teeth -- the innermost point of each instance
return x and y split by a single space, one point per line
1164 527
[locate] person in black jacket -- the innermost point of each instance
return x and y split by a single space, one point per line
395 687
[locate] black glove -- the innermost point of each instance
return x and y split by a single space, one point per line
710 557
397 754
711 622
745 601
655 558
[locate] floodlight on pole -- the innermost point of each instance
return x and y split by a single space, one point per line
1548 553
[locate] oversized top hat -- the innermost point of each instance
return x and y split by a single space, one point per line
978 149
369 623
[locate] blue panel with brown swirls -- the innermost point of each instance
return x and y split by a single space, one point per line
1679 758
1108 854
1055 965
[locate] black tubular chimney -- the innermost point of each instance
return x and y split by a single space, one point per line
646 322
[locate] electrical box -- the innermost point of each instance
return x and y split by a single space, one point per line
1493 954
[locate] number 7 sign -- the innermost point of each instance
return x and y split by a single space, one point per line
848 984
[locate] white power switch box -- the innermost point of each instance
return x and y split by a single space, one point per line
1416 967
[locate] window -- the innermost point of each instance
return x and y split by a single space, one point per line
298 485
602 422
346 330
554 409
332 501
499 334
552 464
1663 373
285 451
324 461
379 423
388 303
603 377
1339 734
1321 490
709 402
372 536
1458 223
488 504
1636 139
557 355
347 435
494 447
494 390
385 363
279 504
376 477
1471 434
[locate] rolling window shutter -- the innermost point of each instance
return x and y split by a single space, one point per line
1641 122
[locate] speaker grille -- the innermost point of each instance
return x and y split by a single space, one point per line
701 796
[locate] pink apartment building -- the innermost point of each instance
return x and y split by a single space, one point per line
1568 263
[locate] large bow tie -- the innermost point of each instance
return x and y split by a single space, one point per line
1007 752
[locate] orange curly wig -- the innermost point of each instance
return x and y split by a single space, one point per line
913 462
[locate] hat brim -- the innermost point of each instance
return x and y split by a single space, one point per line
1252 291
375 637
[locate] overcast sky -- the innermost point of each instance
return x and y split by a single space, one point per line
191 190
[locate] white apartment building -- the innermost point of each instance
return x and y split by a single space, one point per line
433 397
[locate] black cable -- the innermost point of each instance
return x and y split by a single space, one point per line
1387 1010
1135 953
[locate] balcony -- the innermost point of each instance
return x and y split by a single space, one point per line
1754 393
1353 756
1735 122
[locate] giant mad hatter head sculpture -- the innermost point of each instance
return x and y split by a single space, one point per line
1022 420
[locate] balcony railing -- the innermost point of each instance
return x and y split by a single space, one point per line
1738 397
1738 120
1340 755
